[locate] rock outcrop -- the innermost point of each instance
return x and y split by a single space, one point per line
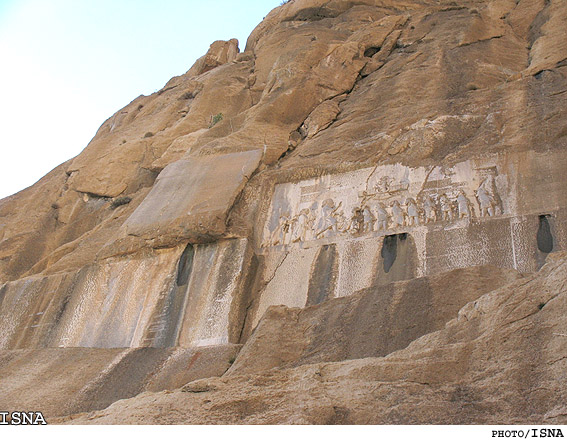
370 200
502 359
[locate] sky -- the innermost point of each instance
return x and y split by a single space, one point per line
68 65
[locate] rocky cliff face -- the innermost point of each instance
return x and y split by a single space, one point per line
372 166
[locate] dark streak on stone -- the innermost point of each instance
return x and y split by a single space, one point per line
544 235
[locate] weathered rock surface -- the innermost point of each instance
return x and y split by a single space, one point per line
370 323
502 360
373 164
188 200
453 83
61 381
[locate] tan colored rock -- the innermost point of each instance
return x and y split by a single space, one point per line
191 197
370 323
549 49
179 148
505 346
321 118
435 62
220 52
85 379
401 101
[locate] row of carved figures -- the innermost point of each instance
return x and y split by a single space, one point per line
368 217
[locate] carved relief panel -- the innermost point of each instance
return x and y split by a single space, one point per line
383 200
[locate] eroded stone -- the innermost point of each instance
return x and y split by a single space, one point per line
191 197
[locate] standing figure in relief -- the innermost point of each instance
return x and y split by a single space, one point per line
382 217
311 224
446 209
398 216
430 211
463 205
368 220
281 233
291 229
485 202
327 226
356 224
342 222
301 226
413 212
489 187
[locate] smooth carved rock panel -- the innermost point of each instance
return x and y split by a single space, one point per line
214 284
286 279
411 222
385 200
108 305
192 196
128 302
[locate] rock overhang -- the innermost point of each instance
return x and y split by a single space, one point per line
192 197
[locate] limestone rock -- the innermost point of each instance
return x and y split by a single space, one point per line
200 386
325 195
371 323
321 118
478 369
220 52
191 197
75 380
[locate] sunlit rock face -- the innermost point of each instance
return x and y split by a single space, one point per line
362 176
61 381
172 298
336 234
191 198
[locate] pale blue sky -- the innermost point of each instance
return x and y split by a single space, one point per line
67 65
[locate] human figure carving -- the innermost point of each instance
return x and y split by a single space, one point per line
398 217
488 198
413 212
282 231
368 220
328 222
485 202
356 224
463 205
311 224
429 209
383 185
342 222
446 209
382 217
301 226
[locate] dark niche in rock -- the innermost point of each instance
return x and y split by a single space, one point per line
390 249
371 51
185 265
544 235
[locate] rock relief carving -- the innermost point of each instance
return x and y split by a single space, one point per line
446 208
391 206
327 225
302 226
382 217
412 212
463 205
488 198
398 215
430 212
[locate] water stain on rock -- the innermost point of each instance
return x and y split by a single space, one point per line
544 235
324 275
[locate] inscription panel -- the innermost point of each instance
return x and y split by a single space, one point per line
384 200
